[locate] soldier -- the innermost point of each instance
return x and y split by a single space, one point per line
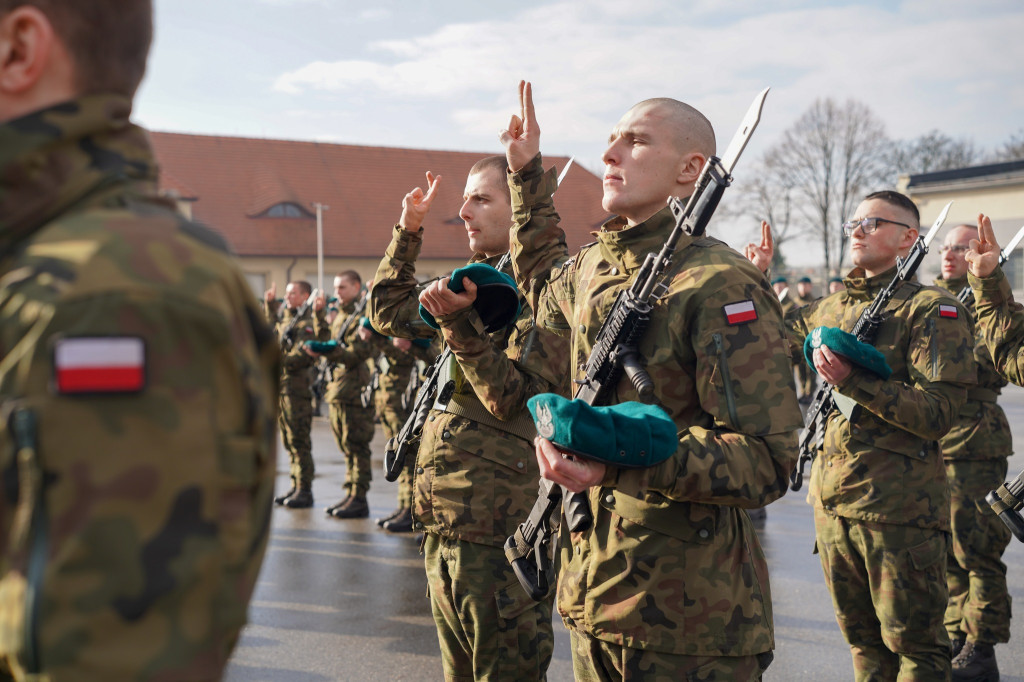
396 363
806 379
781 288
835 284
476 477
351 423
295 402
883 551
137 379
670 581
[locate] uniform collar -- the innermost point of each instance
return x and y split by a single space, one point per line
53 158
628 246
858 285
954 286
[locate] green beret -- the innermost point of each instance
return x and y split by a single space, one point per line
804 280
847 345
497 299
779 280
422 343
836 279
629 434
365 322
321 347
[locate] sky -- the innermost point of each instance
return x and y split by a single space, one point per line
443 74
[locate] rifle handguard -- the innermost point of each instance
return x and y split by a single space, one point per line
1006 501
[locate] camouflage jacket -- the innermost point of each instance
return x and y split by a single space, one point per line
1000 322
981 430
474 479
138 392
931 356
349 369
396 366
296 363
672 562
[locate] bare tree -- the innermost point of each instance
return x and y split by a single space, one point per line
1013 149
763 196
934 151
829 159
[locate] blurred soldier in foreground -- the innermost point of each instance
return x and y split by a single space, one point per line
137 378
294 326
670 581
475 476
883 551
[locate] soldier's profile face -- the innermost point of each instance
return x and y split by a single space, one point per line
294 296
487 212
876 252
955 245
642 164
346 289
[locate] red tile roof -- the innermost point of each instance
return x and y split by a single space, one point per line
231 180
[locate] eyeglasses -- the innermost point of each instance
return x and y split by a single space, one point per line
955 248
867 225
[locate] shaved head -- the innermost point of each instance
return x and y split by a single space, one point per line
691 130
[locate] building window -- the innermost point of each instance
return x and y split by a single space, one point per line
287 209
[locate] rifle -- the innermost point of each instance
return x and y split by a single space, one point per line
866 330
366 394
615 352
397 448
1006 501
413 387
966 295
288 333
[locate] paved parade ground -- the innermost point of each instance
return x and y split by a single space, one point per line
343 600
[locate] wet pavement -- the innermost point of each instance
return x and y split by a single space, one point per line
344 600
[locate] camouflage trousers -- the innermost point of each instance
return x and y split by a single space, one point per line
295 417
392 417
353 430
595 660
487 626
888 586
979 603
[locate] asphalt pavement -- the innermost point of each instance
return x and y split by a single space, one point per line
344 600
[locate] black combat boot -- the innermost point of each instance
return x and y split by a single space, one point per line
291 491
355 509
976 662
302 499
401 523
339 504
393 515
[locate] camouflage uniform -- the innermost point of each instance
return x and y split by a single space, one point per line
351 423
136 501
295 402
878 487
975 452
396 367
476 478
671 577
806 379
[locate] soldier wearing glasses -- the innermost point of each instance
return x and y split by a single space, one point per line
878 486
975 452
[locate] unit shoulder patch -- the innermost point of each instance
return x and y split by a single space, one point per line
740 312
99 364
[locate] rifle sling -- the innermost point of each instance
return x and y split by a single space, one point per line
467 405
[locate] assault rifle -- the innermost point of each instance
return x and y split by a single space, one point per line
288 333
1007 501
615 352
865 330
966 295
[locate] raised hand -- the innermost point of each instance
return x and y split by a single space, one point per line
522 137
270 294
761 254
983 256
416 204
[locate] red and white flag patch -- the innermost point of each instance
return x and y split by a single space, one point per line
99 364
949 311
740 312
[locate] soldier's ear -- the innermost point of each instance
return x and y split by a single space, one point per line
690 166
27 43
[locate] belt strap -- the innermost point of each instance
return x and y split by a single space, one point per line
467 405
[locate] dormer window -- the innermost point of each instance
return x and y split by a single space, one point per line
286 209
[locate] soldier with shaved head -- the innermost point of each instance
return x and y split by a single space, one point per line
138 381
670 581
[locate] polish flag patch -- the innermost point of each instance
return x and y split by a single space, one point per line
99 364
740 312
948 311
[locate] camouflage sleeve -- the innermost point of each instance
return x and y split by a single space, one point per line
393 306
270 311
351 355
537 243
501 383
940 365
1000 323
798 326
321 328
745 383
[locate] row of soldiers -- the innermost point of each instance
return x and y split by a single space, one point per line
669 580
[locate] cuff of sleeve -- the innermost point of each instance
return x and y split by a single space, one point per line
532 183
861 386
996 287
405 246
461 324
